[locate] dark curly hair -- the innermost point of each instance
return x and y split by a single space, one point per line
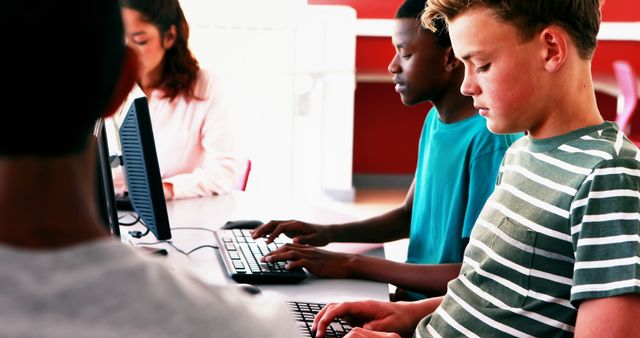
412 9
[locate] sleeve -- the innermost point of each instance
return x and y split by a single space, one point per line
605 230
219 170
483 172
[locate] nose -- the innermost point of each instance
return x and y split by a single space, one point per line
394 66
469 86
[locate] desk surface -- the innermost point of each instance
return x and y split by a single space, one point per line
211 213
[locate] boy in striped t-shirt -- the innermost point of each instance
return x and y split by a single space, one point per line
555 251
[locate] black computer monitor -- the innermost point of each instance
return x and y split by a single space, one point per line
105 198
141 169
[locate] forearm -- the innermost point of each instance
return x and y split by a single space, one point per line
389 226
608 317
423 278
215 179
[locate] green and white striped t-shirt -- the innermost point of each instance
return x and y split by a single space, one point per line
562 226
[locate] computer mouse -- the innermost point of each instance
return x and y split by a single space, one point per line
242 224
153 251
249 288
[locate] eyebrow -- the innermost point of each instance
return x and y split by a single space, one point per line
138 33
470 55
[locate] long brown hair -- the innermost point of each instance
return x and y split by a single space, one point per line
180 70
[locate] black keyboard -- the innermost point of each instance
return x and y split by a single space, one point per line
242 255
304 313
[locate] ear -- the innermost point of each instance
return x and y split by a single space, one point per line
450 60
127 78
555 44
169 37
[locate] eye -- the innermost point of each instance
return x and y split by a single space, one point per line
141 43
406 56
483 68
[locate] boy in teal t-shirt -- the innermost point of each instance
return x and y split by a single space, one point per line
457 165
449 194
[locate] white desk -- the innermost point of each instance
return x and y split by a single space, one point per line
211 213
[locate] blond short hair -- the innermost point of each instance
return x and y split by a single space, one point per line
580 18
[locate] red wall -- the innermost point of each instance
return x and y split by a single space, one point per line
386 132
370 9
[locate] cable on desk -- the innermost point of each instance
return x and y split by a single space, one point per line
131 223
192 228
137 233
148 243
177 249
200 247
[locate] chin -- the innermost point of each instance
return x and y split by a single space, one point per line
498 128
406 101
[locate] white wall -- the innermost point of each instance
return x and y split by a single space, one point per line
288 72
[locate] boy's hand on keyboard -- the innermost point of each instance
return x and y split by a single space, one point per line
319 262
300 232
370 315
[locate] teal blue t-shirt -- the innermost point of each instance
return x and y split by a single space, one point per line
457 168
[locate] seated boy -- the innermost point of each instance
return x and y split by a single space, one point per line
458 162
555 250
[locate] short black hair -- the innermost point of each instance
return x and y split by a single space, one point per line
412 9
62 61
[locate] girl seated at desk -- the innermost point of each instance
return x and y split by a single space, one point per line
191 128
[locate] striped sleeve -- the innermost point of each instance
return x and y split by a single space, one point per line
605 231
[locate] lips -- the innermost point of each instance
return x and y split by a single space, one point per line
400 86
481 110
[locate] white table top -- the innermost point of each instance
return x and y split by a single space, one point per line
212 212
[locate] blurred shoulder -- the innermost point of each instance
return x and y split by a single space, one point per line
206 84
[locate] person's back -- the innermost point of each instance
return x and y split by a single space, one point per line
61 274
104 289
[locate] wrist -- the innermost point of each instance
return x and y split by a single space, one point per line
332 233
352 265
168 190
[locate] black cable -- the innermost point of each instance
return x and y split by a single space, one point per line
200 247
177 249
192 228
138 219
140 234
149 243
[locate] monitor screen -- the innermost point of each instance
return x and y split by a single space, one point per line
141 169
104 182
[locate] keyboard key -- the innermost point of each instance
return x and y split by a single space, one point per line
304 313
239 246
238 265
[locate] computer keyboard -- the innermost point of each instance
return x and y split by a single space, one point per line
304 313
242 255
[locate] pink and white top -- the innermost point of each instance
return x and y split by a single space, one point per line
193 140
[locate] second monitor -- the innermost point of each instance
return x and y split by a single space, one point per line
141 169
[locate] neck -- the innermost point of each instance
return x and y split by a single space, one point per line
453 107
149 80
48 203
570 109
